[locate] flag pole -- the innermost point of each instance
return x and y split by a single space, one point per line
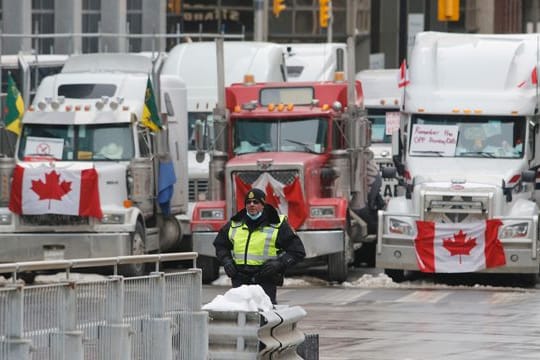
536 69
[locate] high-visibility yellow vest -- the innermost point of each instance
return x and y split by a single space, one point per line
262 243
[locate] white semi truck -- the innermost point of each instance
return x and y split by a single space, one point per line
195 63
382 100
91 178
467 149
314 61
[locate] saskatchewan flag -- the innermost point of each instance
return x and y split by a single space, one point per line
14 107
150 117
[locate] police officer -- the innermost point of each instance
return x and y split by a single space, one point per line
257 245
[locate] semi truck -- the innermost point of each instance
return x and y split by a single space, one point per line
468 153
306 145
314 61
95 168
382 100
196 64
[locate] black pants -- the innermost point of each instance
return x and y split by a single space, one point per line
269 288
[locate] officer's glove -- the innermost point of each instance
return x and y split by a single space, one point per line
230 268
271 268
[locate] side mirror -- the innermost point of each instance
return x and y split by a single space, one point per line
198 135
396 150
528 176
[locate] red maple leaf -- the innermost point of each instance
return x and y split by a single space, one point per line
52 188
458 245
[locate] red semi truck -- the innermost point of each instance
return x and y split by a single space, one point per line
305 144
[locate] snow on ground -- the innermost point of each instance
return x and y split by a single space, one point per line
243 298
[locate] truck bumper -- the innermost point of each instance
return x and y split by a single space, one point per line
54 246
403 256
316 243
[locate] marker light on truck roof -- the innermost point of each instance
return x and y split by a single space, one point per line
280 107
290 107
339 76
271 107
41 105
237 108
337 106
250 106
325 107
249 79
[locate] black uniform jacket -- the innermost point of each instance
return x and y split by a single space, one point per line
287 240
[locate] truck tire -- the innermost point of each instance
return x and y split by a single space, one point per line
338 268
365 256
209 267
396 275
138 240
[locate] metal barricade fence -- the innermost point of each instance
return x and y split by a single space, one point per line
150 317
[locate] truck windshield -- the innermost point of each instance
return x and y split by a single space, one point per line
76 142
299 135
467 136
383 122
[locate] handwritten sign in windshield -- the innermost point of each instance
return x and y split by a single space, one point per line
438 139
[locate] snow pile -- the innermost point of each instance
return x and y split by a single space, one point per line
370 281
61 277
243 298
4 281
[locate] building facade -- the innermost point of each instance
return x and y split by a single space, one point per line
385 29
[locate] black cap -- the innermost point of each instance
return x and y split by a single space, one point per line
255 194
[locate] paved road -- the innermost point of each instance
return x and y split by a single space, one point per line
418 321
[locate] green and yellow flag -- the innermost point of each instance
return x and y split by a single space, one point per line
14 109
150 117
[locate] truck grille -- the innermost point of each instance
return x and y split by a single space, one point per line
286 177
455 209
197 187
53 220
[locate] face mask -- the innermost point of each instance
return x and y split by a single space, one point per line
254 217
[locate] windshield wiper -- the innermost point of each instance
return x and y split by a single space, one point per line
431 152
482 153
303 145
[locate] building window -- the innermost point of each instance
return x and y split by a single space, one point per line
43 23
91 17
134 23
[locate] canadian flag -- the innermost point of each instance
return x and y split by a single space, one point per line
403 74
48 190
530 81
458 248
288 199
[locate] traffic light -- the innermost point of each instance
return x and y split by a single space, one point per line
324 13
448 10
175 6
278 7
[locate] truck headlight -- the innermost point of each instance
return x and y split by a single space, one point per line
5 219
212 214
112 219
396 226
514 231
326 211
